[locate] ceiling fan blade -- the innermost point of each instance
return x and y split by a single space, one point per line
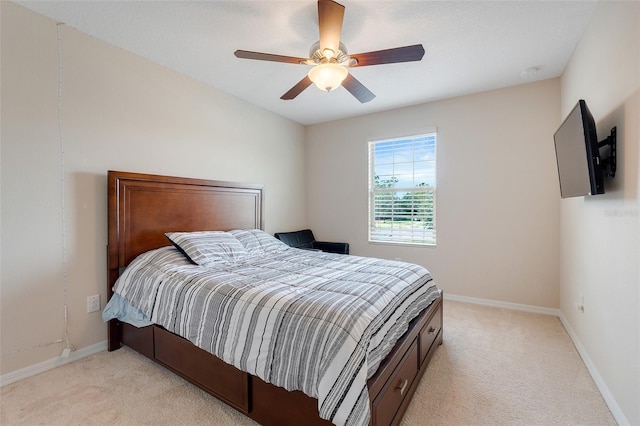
389 56
330 17
357 89
245 54
297 89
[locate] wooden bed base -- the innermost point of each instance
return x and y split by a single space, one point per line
142 207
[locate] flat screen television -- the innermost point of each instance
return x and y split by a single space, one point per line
578 155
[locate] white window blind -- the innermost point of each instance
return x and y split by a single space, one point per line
402 190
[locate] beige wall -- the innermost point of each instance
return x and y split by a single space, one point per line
118 112
497 190
601 235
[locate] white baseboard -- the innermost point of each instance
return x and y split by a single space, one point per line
50 364
504 305
615 409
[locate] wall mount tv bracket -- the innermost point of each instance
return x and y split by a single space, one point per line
609 164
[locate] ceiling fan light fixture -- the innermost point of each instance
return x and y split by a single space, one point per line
328 76
330 60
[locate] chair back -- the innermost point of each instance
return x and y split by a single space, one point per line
299 239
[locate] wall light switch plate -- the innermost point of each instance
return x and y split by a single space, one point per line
93 303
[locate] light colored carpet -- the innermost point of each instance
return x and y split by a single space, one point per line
496 367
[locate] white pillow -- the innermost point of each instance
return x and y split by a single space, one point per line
205 248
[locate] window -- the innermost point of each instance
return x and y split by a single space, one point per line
402 190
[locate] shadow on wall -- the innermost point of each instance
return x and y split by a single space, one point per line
624 186
90 224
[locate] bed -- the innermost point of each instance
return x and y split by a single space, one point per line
143 207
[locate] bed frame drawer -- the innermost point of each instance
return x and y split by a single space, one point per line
215 376
388 402
429 333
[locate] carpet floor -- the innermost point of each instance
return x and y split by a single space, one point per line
495 367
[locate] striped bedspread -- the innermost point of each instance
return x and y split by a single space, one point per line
310 321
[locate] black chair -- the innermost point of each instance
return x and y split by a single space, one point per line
304 239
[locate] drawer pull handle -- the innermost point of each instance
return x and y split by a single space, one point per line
402 386
432 330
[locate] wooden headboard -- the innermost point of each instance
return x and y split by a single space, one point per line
142 207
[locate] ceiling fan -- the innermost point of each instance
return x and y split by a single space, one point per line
330 60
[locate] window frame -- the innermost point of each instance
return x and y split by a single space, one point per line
404 235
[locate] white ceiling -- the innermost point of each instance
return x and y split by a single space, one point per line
471 46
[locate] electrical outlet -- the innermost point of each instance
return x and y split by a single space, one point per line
580 304
93 303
